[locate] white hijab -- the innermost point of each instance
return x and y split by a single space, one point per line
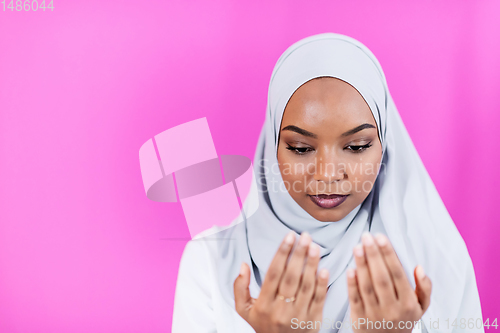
403 204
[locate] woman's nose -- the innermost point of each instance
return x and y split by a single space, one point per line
329 170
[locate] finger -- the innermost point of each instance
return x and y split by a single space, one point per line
355 300
291 277
308 280
401 283
321 287
242 299
381 278
276 268
424 288
363 277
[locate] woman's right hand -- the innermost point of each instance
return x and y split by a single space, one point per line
292 294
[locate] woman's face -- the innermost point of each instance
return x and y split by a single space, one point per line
328 145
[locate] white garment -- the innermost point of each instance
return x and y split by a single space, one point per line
199 306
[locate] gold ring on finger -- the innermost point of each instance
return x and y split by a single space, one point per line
286 299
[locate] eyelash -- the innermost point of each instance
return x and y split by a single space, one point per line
296 150
357 150
360 148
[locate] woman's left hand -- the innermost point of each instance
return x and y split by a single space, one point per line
379 290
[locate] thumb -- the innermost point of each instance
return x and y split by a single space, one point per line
424 287
243 300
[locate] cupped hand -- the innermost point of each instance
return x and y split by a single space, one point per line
380 292
292 293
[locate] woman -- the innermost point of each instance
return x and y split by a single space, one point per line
335 165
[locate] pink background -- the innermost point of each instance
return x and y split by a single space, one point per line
82 249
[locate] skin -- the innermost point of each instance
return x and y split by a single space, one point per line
331 163
297 278
378 288
380 291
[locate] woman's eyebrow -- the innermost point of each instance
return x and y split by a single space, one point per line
300 131
357 129
303 132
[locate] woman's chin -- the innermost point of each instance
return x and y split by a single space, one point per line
328 215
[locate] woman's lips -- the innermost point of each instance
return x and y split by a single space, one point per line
328 201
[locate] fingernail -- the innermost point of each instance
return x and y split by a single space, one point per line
323 273
313 250
381 239
242 269
304 239
350 273
367 239
420 272
290 238
358 250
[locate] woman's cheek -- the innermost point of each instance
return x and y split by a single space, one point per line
294 180
367 177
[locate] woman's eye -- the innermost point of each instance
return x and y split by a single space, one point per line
299 150
359 149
